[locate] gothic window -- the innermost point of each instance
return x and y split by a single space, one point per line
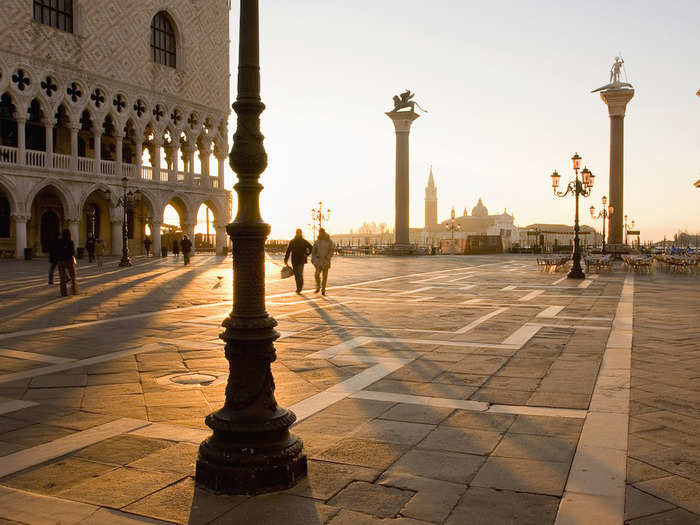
4 217
55 13
163 45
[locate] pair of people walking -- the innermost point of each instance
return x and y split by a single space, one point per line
62 254
321 252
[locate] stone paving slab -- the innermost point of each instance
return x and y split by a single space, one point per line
436 391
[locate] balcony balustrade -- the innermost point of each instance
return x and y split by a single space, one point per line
9 155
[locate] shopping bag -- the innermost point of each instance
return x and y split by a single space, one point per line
286 272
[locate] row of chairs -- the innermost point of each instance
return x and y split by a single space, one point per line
638 263
598 263
553 263
677 263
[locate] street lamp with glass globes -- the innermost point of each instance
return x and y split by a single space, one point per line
126 201
576 187
317 217
453 226
604 214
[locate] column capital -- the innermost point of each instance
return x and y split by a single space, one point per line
18 217
402 120
73 220
49 122
616 100
21 119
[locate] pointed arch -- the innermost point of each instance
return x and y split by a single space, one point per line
62 191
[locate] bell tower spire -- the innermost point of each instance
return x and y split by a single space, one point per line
431 202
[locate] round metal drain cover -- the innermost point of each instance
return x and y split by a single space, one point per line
193 379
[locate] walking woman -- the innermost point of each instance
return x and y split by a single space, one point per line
321 255
66 263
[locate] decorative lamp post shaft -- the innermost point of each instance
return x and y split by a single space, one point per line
576 187
251 449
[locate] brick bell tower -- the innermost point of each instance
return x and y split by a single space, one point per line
431 219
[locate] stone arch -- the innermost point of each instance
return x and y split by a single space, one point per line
217 207
62 191
182 205
7 187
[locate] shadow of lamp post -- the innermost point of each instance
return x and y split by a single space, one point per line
604 213
251 449
576 187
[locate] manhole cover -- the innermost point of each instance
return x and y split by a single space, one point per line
192 379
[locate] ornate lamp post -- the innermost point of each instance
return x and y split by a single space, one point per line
452 225
317 217
251 450
576 187
604 213
126 201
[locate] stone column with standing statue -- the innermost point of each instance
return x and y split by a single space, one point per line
616 96
402 116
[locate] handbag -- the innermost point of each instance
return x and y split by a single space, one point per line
286 272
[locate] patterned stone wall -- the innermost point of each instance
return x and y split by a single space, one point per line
111 43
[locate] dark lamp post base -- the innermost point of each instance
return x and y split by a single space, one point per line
576 273
125 262
250 462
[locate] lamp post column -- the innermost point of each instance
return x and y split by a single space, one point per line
402 125
616 100
251 449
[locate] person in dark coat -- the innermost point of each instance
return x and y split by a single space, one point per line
53 257
147 246
299 249
90 247
66 263
186 246
176 248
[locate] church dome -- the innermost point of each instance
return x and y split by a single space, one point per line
480 210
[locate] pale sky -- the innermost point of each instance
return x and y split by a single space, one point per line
507 87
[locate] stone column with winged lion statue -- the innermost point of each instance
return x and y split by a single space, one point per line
403 115
616 95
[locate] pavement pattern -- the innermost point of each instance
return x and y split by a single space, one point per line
444 389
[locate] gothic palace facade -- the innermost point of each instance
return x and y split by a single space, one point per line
92 92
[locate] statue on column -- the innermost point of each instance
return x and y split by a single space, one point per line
403 100
615 82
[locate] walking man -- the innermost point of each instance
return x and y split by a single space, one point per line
54 246
147 246
66 263
176 248
321 254
186 246
300 249
90 247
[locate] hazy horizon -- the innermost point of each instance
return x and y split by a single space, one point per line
507 87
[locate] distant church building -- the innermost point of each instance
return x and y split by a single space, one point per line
478 232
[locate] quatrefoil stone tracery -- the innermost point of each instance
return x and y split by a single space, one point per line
74 92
